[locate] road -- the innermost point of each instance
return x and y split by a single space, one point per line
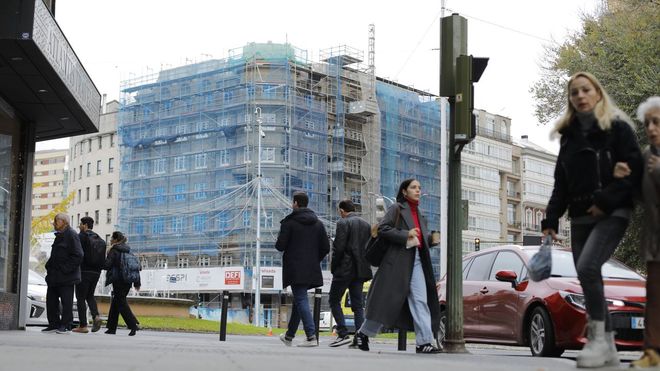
164 351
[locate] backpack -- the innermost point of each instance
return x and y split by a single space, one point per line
95 256
129 267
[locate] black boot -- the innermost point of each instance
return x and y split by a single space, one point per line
362 341
132 333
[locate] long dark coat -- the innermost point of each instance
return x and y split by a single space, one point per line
387 301
305 243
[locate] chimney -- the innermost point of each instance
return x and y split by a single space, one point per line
525 138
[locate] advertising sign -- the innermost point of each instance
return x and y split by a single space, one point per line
193 279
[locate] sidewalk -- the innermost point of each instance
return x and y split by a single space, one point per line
165 351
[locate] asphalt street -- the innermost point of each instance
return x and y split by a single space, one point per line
164 351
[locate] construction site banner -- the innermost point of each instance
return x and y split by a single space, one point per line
193 279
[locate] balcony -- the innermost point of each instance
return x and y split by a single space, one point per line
502 137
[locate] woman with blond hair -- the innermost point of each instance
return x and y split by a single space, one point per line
595 135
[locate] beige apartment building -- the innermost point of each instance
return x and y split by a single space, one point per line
94 174
49 184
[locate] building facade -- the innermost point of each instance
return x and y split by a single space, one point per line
94 174
192 139
49 181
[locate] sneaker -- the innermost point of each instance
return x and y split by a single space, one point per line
49 329
341 340
63 331
96 324
309 343
650 359
132 333
362 341
110 332
80 330
427 349
285 340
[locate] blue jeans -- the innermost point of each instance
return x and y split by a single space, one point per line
337 289
300 310
593 245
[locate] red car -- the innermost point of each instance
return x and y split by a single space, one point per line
501 305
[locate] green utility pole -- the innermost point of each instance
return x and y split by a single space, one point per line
457 73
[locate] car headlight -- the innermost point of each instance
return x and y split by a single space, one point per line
576 300
37 298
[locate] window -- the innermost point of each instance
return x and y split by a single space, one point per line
223 157
161 263
223 221
309 160
225 260
100 142
74 173
246 154
96 216
112 140
177 224
80 172
204 261
200 191
98 167
179 192
246 218
89 145
506 260
180 163
87 194
198 223
200 161
511 214
89 169
267 221
480 267
79 195
181 129
110 186
159 166
268 154
158 226
111 165
159 192
107 239
98 192
182 263
108 216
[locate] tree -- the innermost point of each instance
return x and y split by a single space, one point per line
620 47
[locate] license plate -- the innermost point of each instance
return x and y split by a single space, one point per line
637 323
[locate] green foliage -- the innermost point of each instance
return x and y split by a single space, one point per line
619 46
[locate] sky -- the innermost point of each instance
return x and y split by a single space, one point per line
123 39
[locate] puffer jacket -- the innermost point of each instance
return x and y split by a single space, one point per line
584 172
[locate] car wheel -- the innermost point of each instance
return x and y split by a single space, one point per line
442 329
541 335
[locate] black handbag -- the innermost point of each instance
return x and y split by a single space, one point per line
376 246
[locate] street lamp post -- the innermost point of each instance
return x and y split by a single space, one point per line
257 299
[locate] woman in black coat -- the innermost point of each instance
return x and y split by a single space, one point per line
403 292
595 135
120 289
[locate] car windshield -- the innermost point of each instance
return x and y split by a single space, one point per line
35 278
563 266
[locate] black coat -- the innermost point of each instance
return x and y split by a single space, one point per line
304 241
348 249
112 264
63 266
584 173
387 301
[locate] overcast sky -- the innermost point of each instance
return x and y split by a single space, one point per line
120 39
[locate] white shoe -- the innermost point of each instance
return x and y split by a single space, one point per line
286 341
309 343
598 350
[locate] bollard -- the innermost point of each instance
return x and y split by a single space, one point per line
223 316
402 339
317 311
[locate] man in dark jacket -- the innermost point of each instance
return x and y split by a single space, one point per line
90 273
349 268
304 242
62 273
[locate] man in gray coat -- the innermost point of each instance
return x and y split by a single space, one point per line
349 268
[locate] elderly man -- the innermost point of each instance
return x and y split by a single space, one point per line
62 274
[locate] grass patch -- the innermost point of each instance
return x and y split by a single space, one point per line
205 326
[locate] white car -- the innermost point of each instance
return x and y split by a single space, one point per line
36 300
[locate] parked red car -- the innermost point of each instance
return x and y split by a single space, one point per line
501 305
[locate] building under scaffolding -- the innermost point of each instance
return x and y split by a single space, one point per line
189 148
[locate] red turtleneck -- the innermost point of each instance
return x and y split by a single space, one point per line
413 210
